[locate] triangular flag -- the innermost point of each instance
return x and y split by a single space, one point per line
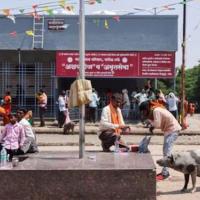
34 6
48 10
21 11
69 7
91 2
65 26
13 34
106 24
168 8
62 3
12 17
116 18
6 12
99 1
30 33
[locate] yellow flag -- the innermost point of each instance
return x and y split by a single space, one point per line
62 3
106 24
30 33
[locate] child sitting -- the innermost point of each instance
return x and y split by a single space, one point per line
12 136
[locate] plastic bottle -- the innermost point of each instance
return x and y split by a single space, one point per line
117 146
3 157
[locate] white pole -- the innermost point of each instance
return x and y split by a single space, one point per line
82 76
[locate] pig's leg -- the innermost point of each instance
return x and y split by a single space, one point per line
186 182
194 176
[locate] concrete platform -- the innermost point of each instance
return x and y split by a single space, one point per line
62 175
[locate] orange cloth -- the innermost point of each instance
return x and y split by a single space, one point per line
115 118
4 115
7 103
2 111
156 103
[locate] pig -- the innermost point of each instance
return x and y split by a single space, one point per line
187 162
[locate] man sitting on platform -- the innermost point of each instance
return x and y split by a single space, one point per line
112 124
29 145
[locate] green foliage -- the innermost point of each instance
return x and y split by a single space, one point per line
192 84
166 85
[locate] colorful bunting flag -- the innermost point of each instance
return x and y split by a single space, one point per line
13 34
29 33
69 7
106 24
91 2
65 26
48 10
116 18
34 6
21 11
62 3
99 1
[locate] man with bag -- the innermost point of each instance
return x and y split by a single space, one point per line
112 124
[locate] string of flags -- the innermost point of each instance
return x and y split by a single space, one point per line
38 9
68 5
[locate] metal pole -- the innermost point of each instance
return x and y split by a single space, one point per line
19 68
183 64
82 76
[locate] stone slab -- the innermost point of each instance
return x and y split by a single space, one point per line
62 175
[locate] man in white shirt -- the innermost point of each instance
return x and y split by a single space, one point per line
42 103
62 100
93 105
112 124
141 97
172 102
29 145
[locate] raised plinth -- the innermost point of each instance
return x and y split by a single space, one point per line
63 176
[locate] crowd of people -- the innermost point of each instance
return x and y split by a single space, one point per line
152 107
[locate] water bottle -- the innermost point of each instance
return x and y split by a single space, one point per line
117 145
3 157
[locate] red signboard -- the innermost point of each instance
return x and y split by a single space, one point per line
117 64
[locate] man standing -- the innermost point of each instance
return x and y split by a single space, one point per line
172 102
62 100
161 118
29 145
42 103
93 105
112 124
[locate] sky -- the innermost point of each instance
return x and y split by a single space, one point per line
130 6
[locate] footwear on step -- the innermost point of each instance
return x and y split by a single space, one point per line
161 177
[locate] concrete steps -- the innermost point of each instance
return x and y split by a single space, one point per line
93 140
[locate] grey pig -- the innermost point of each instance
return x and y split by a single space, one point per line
187 162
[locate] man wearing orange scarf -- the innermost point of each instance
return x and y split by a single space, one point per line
112 124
